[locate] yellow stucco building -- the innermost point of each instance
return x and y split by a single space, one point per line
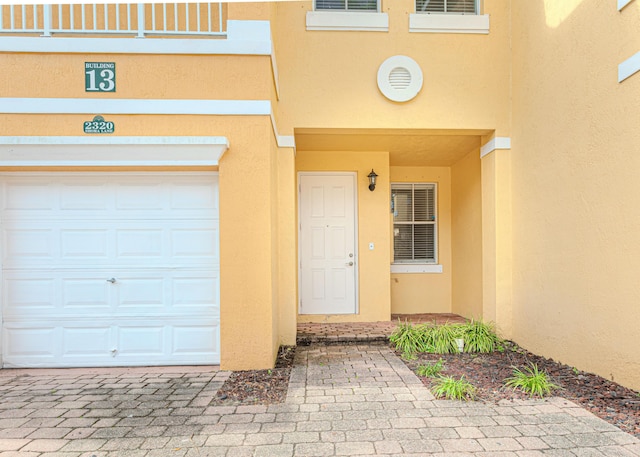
183 183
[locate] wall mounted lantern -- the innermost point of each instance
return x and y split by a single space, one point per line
372 180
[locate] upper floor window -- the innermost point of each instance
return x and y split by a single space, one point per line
346 5
447 6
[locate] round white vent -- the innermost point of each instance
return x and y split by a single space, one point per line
399 78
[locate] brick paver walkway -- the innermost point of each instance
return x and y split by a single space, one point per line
366 331
342 400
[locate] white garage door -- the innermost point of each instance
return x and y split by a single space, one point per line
110 269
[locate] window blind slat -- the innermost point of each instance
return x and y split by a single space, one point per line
347 5
446 6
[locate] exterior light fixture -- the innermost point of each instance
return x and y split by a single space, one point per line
372 180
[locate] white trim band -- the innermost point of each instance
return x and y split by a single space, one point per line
449 23
72 151
348 21
629 67
133 106
415 268
499 142
623 3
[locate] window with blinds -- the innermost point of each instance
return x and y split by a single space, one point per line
347 5
414 222
447 6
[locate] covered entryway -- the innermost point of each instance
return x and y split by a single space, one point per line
110 269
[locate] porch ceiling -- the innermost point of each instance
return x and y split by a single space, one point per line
407 147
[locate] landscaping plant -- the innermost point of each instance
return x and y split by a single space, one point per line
479 337
531 381
443 338
408 338
431 370
453 389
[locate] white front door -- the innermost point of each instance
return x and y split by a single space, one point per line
328 261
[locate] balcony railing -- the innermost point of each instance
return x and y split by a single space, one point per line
124 19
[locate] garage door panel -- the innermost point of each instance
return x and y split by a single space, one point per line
142 293
194 243
28 295
195 292
110 269
85 295
139 243
141 340
84 243
87 342
77 244
203 196
25 195
112 343
29 245
31 343
83 197
192 340
140 197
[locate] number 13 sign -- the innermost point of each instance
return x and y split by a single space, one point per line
99 76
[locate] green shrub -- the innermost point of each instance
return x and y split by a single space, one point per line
454 389
479 337
442 338
531 381
431 370
406 338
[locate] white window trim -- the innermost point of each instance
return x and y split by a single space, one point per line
449 23
416 268
349 21
421 267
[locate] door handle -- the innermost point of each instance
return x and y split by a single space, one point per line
112 280
349 264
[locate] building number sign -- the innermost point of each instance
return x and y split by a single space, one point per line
99 76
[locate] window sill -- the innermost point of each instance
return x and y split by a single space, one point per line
348 21
415 268
449 23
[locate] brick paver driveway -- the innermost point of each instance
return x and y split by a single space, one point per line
342 400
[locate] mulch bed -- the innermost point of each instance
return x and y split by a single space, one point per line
258 387
606 399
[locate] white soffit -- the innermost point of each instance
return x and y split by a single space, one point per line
72 151
499 142
629 67
449 23
348 21
400 78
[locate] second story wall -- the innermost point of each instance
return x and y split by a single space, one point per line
328 78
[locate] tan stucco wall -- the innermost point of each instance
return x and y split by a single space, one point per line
373 227
138 76
328 78
466 236
413 293
575 163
